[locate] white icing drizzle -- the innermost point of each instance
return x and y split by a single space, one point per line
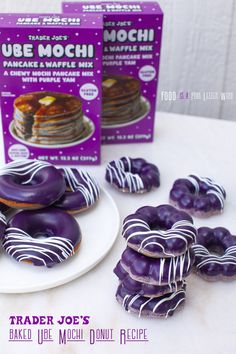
229 256
3 219
125 179
167 299
88 188
214 188
182 230
22 168
18 241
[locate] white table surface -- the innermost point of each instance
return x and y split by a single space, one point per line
207 323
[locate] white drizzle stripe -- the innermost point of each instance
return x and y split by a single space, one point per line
125 179
182 230
3 218
169 298
229 256
175 307
88 188
214 188
18 241
22 168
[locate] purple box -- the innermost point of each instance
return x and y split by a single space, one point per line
51 75
131 55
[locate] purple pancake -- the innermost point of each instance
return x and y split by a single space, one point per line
82 191
134 287
30 184
157 271
215 254
3 224
161 231
199 196
132 175
42 237
157 307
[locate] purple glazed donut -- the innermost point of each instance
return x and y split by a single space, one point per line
23 237
157 271
158 307
215 254
82 191
30 184
134 287
3 224
161 231
199 196
132 175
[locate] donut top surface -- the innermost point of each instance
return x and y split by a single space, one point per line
47 104
161 231
200 193
133 175
118 86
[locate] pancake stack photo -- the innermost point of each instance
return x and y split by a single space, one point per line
48 118
121 99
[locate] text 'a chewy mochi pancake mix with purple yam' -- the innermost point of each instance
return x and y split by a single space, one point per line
131 55
50 67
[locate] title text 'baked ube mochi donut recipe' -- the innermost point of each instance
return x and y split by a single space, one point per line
131 175
3 224
199 196
82 191
215 252
161 231
30 184
42 237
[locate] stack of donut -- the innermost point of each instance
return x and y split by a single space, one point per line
158 258
43 232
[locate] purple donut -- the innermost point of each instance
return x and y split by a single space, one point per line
30 184
23 237
199 196
156 307
3 224
132 175
82 191
161 231
134 287
215 254
157 271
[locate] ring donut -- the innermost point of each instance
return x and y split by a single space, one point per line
199 196
23 237
82 191
132 175
3 224
30 184
215 254
134 287
161 231
158 307
157 271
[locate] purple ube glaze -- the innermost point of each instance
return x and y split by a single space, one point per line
82 191
3 224
29 184
23 237
163 306
215 253
161 231
134 287
132 175
200 196
157 271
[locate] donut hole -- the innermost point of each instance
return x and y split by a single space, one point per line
39 234
216 249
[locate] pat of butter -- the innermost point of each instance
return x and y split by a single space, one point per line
47 100
108 83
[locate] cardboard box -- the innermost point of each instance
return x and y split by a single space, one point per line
50 67
131 56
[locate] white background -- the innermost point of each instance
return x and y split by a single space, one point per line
199 51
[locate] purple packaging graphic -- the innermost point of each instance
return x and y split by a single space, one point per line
51 75
131 56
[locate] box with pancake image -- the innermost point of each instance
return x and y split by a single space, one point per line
50 67
131 56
